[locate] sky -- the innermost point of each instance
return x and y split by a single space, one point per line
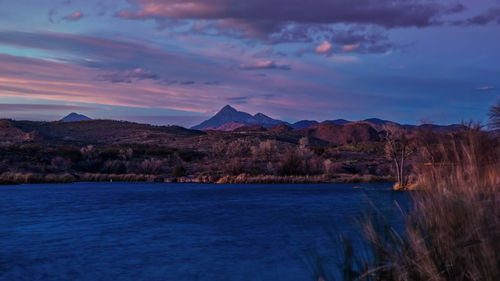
180 61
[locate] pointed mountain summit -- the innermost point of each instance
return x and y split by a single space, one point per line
228 119
73 117
226 115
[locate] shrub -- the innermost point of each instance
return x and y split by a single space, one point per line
238 148
60 164
179 171
234 167
114 167
4 166
290 164
151 166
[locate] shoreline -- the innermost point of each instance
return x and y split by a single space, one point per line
30 178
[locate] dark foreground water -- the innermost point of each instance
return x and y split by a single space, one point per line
122 231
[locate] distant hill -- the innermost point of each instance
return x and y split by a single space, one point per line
439 128
337 121
303 124
341 134
280 129
228 119
74 117
93 131
378 121
8 132
251 128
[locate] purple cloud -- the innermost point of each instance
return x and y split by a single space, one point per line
14 107
118 59
128 76
490 16
238 100
381 12
267 64
288 20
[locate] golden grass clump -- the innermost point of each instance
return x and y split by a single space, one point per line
453 230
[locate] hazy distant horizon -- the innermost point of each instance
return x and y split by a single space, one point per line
188 121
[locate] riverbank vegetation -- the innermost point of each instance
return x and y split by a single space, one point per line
453 228
227 158
224 157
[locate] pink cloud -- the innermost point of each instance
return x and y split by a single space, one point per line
173 9
74 16
350 48
324 48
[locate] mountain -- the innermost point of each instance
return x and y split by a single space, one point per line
226 115
378 121
337 121
303 124
73 117
228 119
440 128
264 120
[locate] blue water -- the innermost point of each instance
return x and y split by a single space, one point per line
145 231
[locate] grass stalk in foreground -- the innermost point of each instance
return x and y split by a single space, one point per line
453 230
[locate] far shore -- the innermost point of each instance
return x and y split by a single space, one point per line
30 178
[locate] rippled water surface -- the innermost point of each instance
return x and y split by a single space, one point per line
141 231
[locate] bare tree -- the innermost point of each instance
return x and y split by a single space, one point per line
495 116
397 149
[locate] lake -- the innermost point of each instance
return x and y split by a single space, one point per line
147 231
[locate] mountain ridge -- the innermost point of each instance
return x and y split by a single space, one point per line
235 119
229 119
75 117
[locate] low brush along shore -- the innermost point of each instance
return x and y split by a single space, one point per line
31 178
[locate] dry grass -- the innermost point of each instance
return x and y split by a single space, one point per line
274 179
453 230
28 178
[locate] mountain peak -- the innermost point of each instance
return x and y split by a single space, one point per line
229 115
226 115
73 117
228 108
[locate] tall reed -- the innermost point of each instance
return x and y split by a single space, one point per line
453 229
